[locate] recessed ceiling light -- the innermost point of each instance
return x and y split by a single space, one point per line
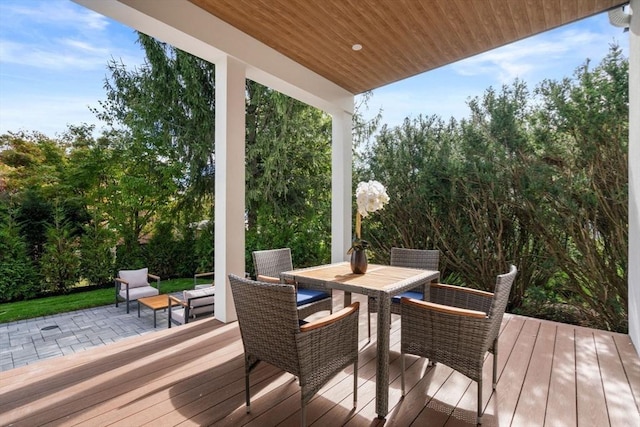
356 47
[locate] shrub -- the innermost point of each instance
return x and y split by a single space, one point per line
18 278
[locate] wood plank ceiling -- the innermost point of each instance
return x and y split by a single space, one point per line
399 38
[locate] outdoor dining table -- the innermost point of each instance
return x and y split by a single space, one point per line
379 281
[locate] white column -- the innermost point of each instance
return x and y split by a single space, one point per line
341 159
230 182
634 175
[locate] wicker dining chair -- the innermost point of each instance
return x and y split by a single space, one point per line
313 352
424 259
268 266
456 328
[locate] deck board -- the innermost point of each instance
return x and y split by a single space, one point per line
530 409
591 402
549 374
629 359
620 410
561 403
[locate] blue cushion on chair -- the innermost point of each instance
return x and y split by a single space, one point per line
409 294
307 296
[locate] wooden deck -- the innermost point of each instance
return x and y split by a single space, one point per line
550 374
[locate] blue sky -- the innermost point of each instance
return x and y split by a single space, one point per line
53 57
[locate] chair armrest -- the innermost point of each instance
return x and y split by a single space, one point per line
207 274
458 296
444 308
326 350
199 297
201 275
157 279
453 288
328 320
267 279
119 282
176 301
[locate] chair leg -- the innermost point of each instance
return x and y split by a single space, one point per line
495 363
480 401
402 373
369 325
247 393
355 384
303 415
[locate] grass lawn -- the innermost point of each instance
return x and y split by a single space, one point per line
20 310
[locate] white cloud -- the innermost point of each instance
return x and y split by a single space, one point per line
59 13
57 35
533 57
53 58
62 54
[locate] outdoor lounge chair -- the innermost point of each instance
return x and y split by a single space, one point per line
270 263
270 328
133 284
424 259
195 303
201 275
456 328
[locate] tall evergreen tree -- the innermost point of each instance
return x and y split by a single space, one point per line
171 102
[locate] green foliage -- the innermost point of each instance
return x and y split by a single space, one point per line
32 161
97 259
129 254
170 103
583 213
204 248
162 250
540 183
187 259
18 278
34 214
60 265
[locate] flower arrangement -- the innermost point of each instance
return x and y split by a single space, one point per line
371 196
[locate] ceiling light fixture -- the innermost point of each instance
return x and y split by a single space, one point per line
356 47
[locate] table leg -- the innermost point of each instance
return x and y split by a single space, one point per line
347 298
382 368
154 318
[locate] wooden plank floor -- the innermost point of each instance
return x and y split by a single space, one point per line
550 374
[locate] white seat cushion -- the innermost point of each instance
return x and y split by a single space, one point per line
135 278
201 305
140 292
178 315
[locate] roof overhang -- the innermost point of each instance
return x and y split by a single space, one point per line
304 48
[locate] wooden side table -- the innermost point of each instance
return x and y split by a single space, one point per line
155 303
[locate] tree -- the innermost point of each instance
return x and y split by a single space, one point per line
60 265
32 161
170 101
540 183
97 258
18 277
583 123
